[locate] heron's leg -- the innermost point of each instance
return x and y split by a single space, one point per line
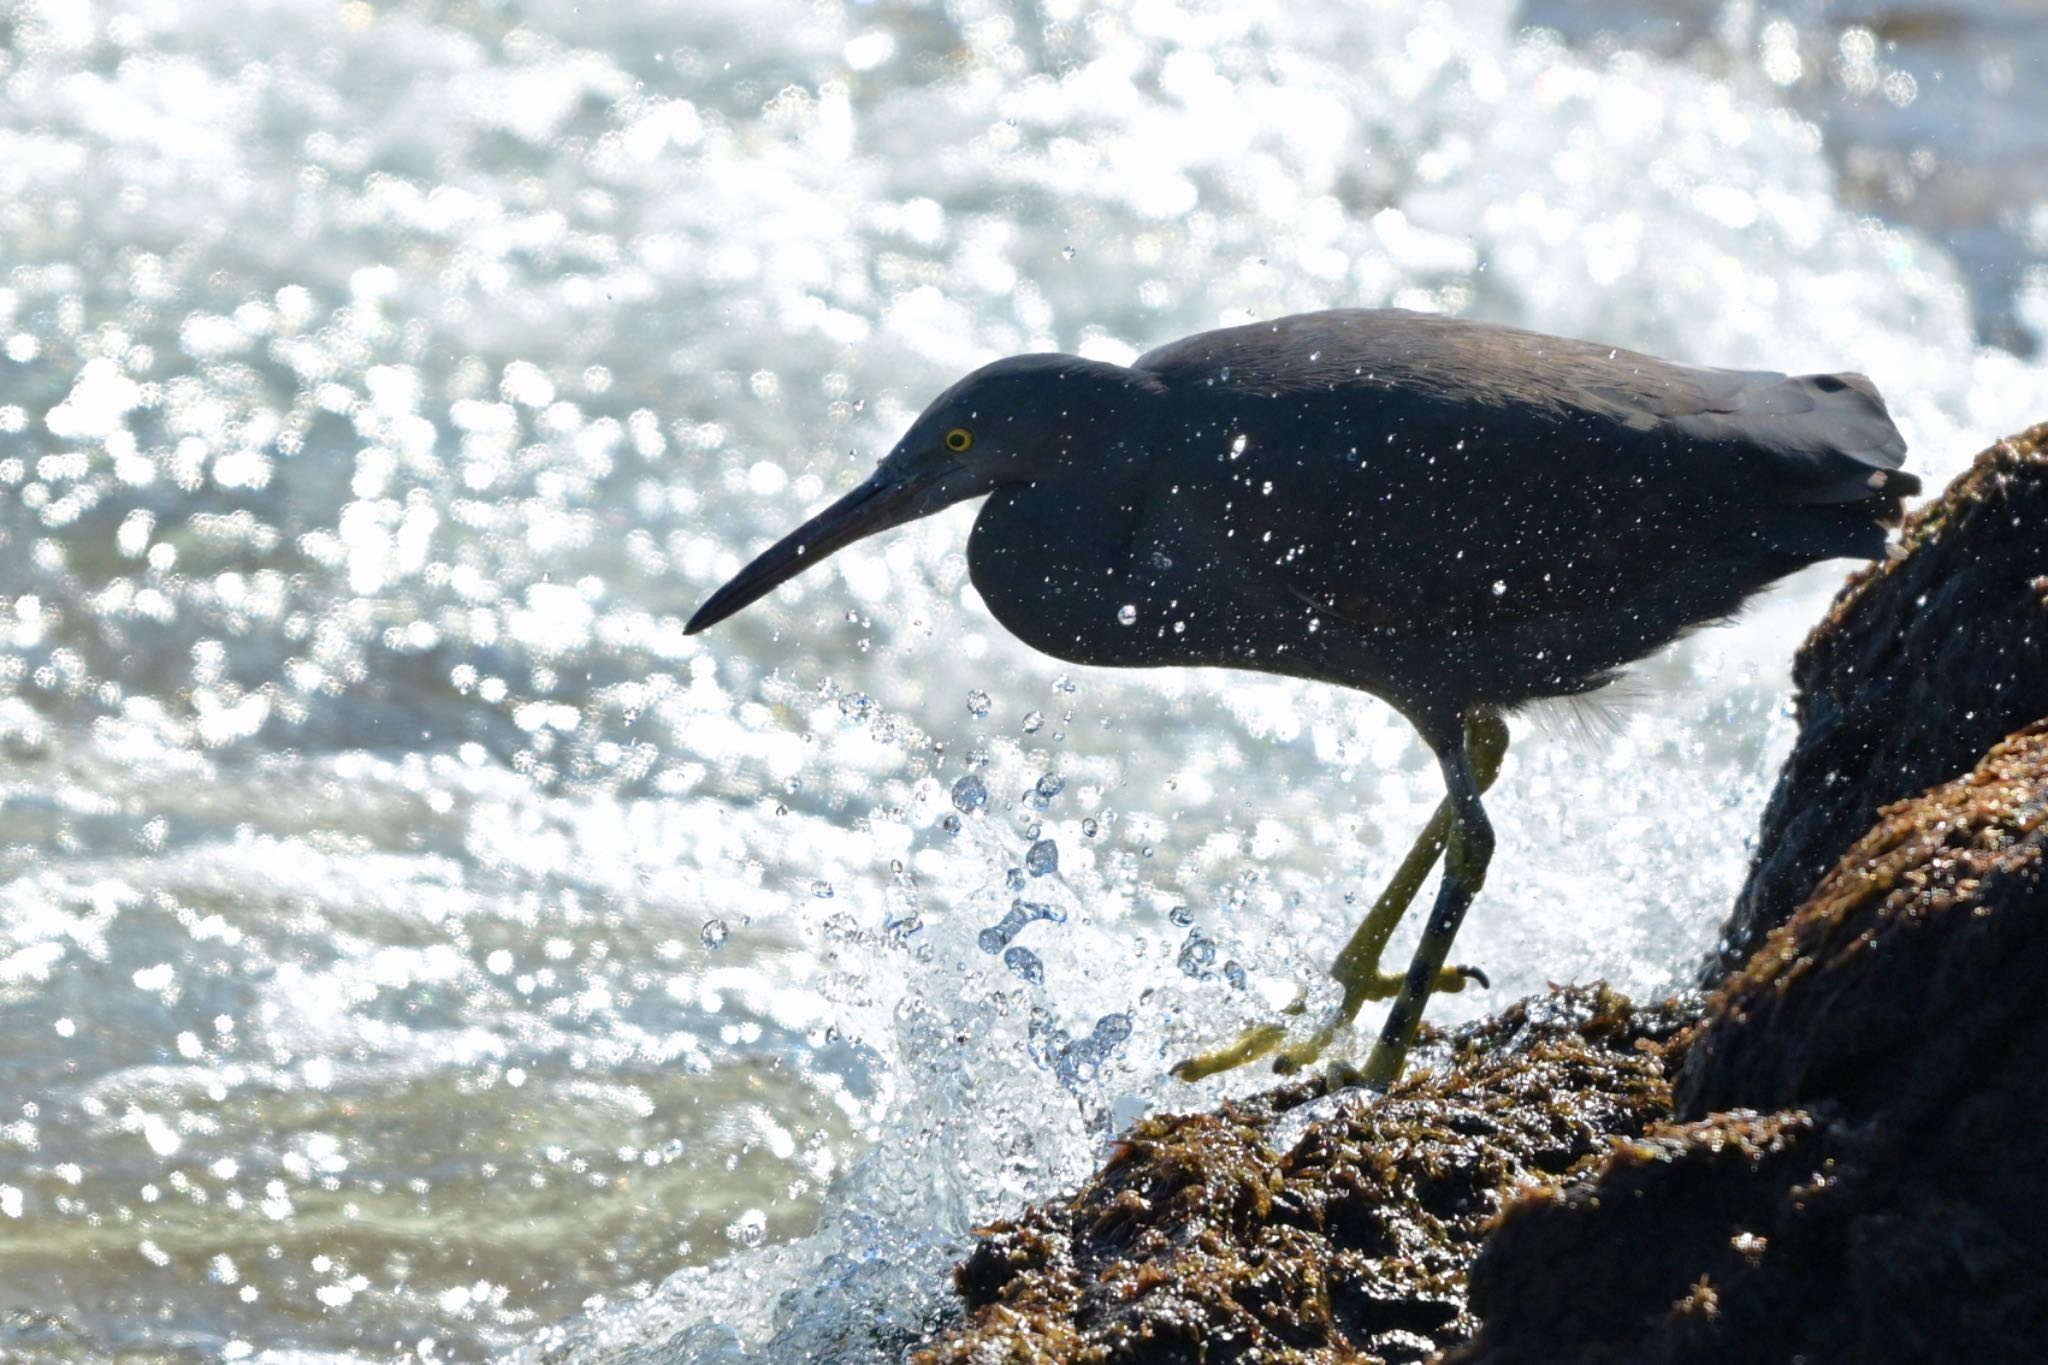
1357 968
1471 849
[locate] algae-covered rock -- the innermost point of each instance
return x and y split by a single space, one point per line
1905 975
1887 1206
1920 666
1297 1227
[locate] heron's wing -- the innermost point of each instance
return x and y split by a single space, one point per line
1404 470
1811 423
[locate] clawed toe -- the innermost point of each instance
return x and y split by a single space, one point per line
1296 1058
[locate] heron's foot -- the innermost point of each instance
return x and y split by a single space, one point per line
1378 986
1263 1040
1254 1043
1382 1068
1339 1074
1387 985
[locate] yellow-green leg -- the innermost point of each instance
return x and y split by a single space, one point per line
1357 968
1465 864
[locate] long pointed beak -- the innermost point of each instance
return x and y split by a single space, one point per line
877 505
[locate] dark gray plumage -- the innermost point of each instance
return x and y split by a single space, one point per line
1455 516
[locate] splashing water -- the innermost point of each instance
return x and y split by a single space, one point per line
411 942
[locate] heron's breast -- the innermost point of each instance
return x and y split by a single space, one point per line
1068 576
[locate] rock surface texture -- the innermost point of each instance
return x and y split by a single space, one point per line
1838 1158
1298 1228
1856 1172
1920 666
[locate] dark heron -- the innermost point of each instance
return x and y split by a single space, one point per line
1455 517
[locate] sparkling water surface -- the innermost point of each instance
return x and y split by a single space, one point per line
412 944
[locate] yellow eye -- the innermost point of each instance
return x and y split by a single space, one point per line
959 440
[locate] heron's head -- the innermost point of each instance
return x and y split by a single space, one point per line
1011 422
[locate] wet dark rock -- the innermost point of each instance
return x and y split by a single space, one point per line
1857 1173
1920 666
1910 967
1204 1239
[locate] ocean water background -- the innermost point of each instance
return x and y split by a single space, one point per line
412 944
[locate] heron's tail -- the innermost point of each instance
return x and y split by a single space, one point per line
1810 440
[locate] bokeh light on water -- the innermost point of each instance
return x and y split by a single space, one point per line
410 941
